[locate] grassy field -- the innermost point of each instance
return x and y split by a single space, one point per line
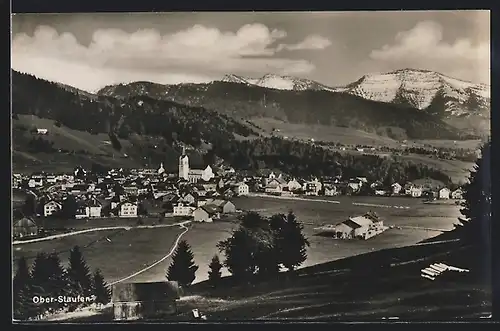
341 290
346 136
125 253
82 224
97 147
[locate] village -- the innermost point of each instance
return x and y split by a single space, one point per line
201 195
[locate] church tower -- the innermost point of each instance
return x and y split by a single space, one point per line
184 165
161 170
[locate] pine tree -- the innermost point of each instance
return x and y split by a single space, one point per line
182 269
22 277
291 243
101 289
24 307
474 228
79 277
57 284
214 272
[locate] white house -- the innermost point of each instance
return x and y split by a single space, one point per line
128 209
330 190
51 207
275 185
294 185
396 188
312 187
183 210
444 193
416 192
94 208
34 182
241 189
457 194
362 227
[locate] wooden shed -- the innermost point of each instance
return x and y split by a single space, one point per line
25 227
139 301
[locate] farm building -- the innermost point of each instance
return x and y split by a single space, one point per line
24 227
225 207
360 227
144 301
207 213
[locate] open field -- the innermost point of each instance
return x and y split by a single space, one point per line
82 224
97 147
69 139
341 291
346 136
131 250
125 253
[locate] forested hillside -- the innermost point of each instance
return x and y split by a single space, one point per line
153 130
308 106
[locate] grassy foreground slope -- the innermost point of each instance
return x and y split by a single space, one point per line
369 287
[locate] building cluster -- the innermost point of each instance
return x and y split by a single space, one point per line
203 195
199 194
282 186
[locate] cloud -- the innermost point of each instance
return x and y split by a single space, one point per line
312 42
424 46
196 54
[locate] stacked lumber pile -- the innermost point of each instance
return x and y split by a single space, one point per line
437 269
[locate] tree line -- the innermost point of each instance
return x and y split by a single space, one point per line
259 249
142 115
305 160
65 289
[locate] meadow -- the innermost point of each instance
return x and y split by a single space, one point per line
130 251
123 254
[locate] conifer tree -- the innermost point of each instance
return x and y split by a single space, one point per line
182 269
24 308
79 274
214 272
57 284
291 243
474 227
101 289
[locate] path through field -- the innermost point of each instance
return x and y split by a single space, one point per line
74 233
172 250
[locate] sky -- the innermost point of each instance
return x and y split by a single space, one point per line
90 51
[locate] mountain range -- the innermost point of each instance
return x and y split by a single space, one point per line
373 103
416 88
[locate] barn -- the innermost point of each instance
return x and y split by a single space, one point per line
144 301
25 227
361 227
